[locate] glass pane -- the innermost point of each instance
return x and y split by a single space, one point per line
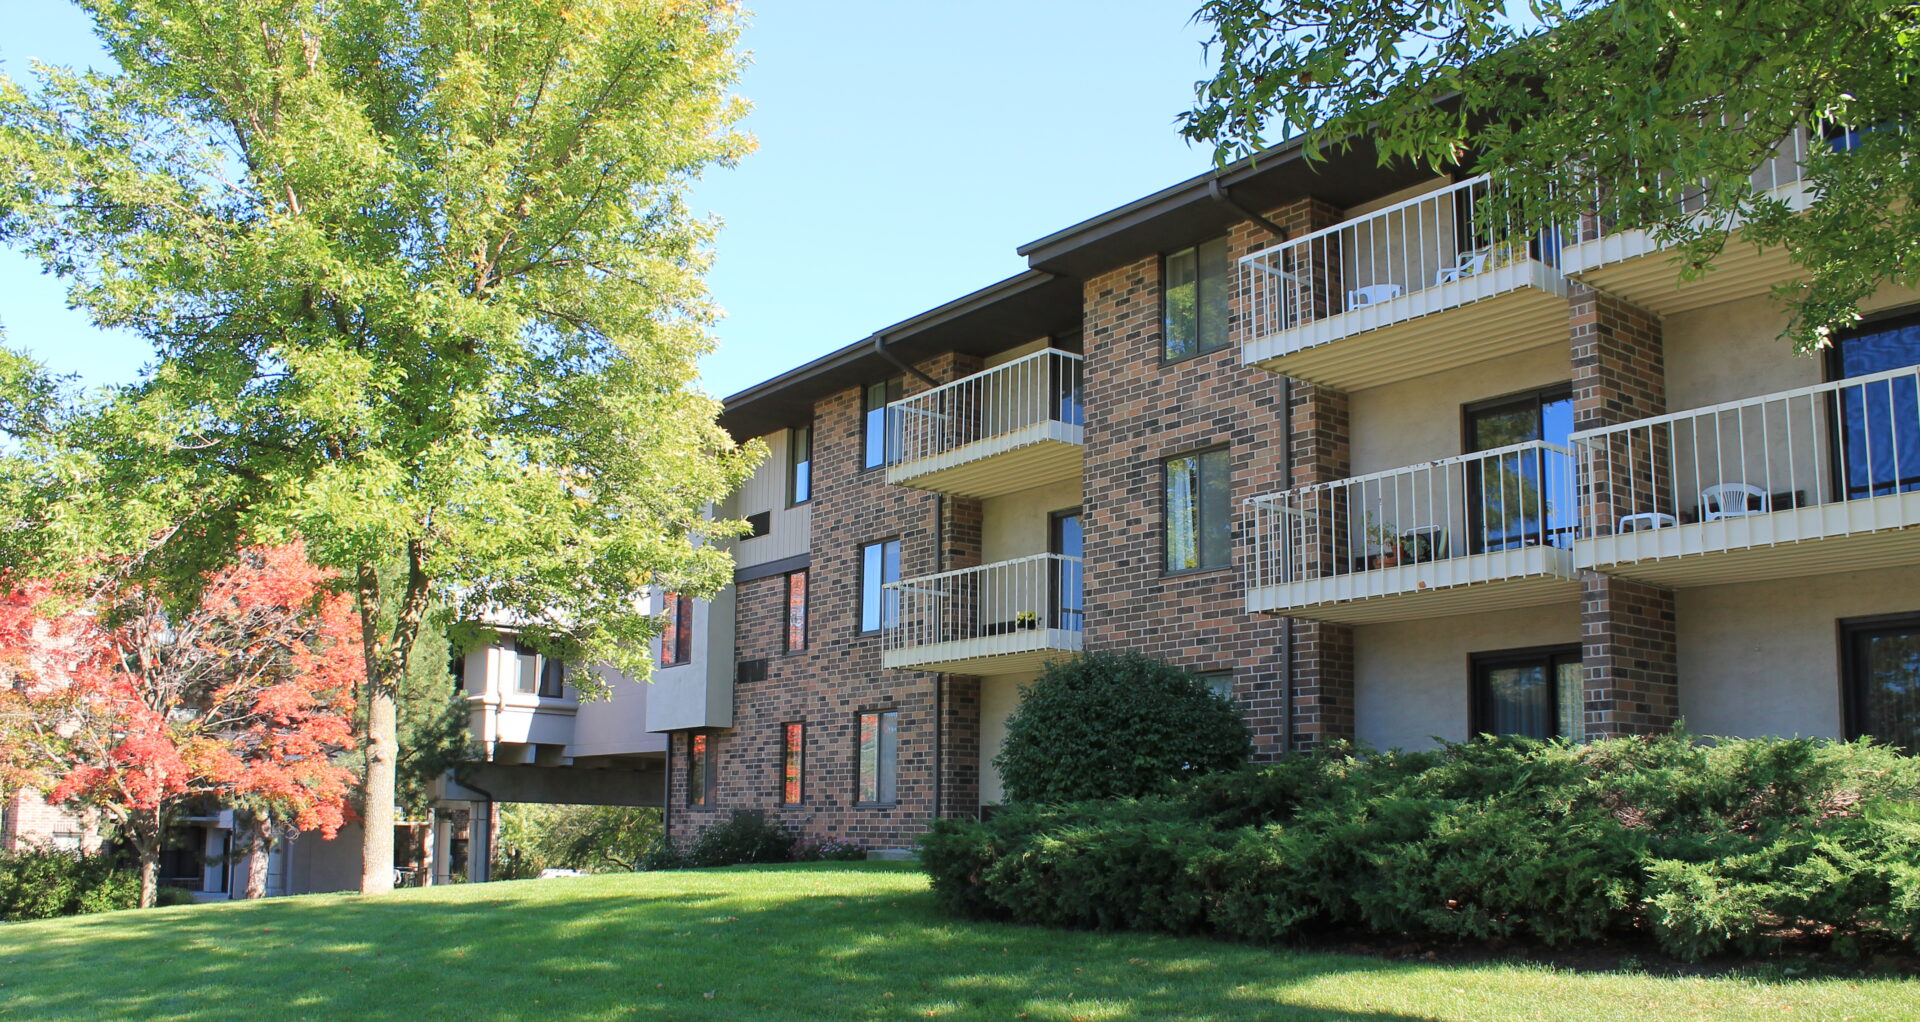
1516 701
1508 424
797 610
796 744
1181 337
697 770
871 559
528 675
1573 700
1067 379
889 766
553 677
1216 523
869 757
1183 540
1068 577
890 598
876 425
1890 699
1211 312
800 487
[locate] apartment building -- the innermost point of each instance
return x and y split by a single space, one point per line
1322 434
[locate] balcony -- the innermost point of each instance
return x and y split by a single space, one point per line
1636 266
1003 618
1009 428
1417 287
1485 531
1820 479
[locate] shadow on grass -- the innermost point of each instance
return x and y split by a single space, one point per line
781 943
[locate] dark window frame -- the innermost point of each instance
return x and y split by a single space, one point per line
700 766
794 462
679 631
806 610
1226 328
1208 677
1477 697
1831 365
798 762
882 768
1166 513
879 590
1852 691
893 389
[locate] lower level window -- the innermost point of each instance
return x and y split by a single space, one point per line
879 757
1530 692
793 763
699 769
1883 679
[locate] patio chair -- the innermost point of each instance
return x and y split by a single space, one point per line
1372 294
1732 500
1472 261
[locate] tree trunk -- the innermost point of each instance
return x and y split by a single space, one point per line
146 841
257 862
376 813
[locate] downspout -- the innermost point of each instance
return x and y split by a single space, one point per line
880 348
1218 193
939 680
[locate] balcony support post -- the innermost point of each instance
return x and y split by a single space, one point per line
1320 706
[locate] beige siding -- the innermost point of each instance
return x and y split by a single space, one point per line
999 697
1000 358
1016 525
616 725
1411 680
697 694
1762 658
766 490
1417 421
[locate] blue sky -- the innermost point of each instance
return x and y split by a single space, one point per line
906 148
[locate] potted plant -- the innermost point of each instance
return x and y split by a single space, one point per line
1026 620
1383 536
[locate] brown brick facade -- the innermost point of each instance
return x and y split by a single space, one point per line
838 675
1627 628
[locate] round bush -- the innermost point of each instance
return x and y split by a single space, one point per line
1116 725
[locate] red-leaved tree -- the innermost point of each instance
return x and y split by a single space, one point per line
120 703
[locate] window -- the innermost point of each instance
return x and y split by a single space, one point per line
799 465
759 525
1882 679
699 769
553 677
676 635
879 757
880 440
1195 300
526 669
1197 524
1220 683
1507 503
796 611
1879 436
1536 693
793 762
1068 582
879 564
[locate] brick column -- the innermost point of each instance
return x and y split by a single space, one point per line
959 746
1320 450
1627 627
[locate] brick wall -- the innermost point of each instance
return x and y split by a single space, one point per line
1140 411
839 675
1627 628
27 821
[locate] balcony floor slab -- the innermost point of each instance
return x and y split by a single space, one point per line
1500 580
1852 535
1502 311
1034 455
1014 652
1635 267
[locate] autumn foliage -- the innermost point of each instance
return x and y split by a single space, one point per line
120 703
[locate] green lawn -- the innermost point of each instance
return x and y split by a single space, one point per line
797 942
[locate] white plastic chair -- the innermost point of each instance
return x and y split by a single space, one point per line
1732 500
1372 294
1645 520
1472 261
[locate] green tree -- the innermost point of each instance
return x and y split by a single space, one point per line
1622 108
1116 725
423 288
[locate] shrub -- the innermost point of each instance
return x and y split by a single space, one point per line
745 837
828 850
1707 847
44 883
1116 725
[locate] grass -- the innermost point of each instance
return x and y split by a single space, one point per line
827 941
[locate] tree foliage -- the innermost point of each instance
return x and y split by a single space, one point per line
124 706
1642 113
1116 725
592 839
424 290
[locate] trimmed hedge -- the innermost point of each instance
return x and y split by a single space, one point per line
44 883
1705 848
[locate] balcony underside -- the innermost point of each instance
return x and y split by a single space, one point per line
1501 580
1499 312
1016 652
1853 535
1633 266
1033 455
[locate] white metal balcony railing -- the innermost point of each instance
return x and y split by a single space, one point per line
1027 605
1834 459
1457 521
1444 240
1006 403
